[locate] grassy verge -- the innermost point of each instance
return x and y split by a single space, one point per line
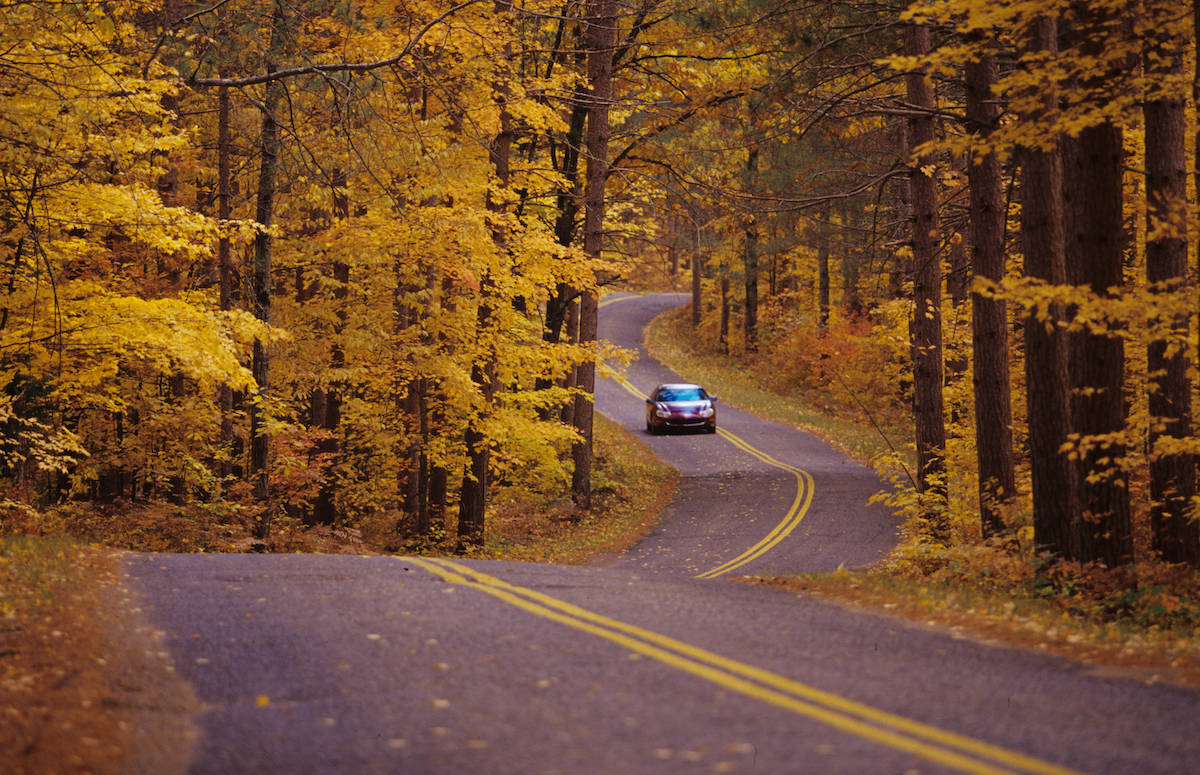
1145 617
728 378
629 489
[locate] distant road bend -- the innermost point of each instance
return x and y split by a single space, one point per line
650 663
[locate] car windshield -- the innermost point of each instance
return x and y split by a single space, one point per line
681 394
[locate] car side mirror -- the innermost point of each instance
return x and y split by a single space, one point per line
713 399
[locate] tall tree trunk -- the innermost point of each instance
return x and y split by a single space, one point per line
925 327
472 508
823 239
264 214
1046 368
439 472
993 410
697 265
1095 259
1172 477
600 35
571 379
225 270
409 403
472 505
851 300
565 222
750 258
325 509
725 310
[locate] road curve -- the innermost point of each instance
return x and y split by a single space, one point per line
334 664
757 498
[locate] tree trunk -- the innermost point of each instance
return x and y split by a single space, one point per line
409 404
261 294
1046 372
823 228
439 472
925 327
472 509
724 336
568 213
225 272
993 410
1095 198
697 263
1172 477
601 28
851 300
571 378
750 258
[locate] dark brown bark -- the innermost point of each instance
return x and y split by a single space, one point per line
600 35
1095 259
823 229
408 406
750 259
1046 367
472 507
925 326
439 473
723 338
225 269
851 300
325 509
261 278
697 265
993 410
566 222
1172 477
570 380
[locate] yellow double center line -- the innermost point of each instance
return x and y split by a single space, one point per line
957 752
799 507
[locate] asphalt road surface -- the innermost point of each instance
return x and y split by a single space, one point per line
653 663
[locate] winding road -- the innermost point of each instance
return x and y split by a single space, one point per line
651 662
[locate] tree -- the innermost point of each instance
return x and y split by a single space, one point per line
750 261
1046 366
1172 473
1094 195
926 322
601 23
261 284
993 410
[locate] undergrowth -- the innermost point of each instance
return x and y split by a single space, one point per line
31 569
628 485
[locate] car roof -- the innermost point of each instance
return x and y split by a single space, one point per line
678 385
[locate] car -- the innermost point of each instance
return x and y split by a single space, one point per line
680 405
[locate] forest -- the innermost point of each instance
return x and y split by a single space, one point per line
328 262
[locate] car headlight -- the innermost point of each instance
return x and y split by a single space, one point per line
662 411
707 412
